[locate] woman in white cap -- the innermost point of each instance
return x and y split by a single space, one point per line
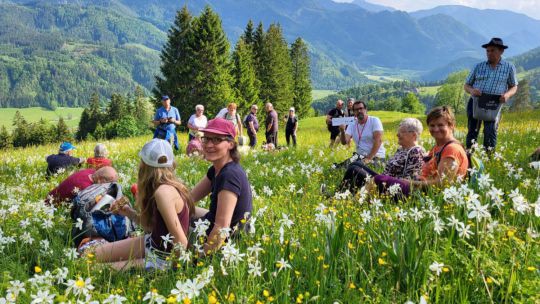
164 205
291 127
226 182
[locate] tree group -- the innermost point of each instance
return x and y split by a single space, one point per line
198 68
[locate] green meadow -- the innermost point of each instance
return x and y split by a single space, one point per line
305 247
71 115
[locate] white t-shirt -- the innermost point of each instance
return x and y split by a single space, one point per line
199 122
363 136
222 113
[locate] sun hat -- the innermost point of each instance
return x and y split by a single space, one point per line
157 153
220 126
495 42
66 146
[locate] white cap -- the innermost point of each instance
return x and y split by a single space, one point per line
154 150
291 109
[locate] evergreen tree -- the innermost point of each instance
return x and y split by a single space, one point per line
90 117
301 77
62 131
141 111
522 99
21 132
276 78
117 108
257 48
99 132
6 141
248 35
245 82
83 130
211 65
177 65
392 104
411 104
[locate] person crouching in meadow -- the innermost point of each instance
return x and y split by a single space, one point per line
226 182
405 164
446 162
165 205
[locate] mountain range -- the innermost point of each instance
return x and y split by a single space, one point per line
60 50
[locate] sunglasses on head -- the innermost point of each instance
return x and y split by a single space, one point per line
214 140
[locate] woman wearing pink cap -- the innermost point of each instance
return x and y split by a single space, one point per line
164 204
226 182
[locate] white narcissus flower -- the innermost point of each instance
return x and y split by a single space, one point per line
167 239
436 267
79 224
282 264
115 299
42 296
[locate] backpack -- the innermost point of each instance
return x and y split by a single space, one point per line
90 206
245 122
475 163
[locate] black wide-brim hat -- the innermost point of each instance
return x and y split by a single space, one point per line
495 42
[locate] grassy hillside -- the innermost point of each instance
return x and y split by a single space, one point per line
315 249
71 115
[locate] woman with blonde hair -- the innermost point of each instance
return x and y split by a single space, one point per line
232 116
165 205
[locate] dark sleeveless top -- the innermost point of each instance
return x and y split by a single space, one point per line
160 229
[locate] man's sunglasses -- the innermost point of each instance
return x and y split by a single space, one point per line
214 140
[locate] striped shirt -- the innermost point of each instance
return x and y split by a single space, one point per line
490 80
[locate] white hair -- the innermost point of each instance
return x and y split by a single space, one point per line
100 151
412 125
199 106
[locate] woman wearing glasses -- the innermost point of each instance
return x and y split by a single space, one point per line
226 182
446 163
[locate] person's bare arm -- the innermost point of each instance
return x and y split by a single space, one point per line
166 199
377 142
472 91
201 190
448 173
226 203
344 137
506 96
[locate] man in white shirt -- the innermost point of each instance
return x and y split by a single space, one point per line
367 132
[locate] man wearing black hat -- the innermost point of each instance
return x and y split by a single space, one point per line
492 79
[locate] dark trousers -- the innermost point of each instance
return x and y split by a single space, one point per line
271 137
490 130
252 139
288 135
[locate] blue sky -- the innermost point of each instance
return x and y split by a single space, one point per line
528 7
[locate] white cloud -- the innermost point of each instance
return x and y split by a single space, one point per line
528 7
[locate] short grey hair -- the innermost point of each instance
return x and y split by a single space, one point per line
100 151
412 125
254 107
199 106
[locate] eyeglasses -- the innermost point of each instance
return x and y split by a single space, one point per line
214 140
358 109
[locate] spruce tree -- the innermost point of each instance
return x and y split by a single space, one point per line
257 48
6 141
210 64
141 110
177 65
276 75
62 131
117 108
522 99
248 35
245 82
20 134
90 117
301 77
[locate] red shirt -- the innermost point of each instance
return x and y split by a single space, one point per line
65 191
98 162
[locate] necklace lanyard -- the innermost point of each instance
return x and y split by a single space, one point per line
360 132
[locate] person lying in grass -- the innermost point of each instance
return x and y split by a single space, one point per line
165 205
446 162
226 182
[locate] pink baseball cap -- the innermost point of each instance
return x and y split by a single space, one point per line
220 126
